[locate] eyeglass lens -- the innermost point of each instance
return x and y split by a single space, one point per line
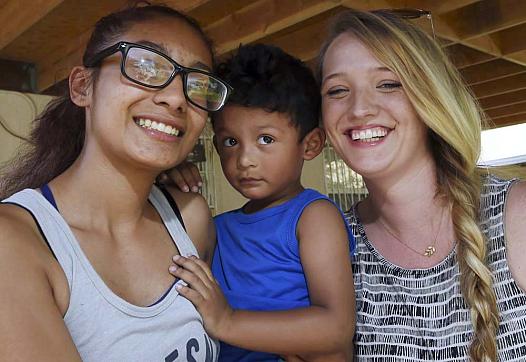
153 69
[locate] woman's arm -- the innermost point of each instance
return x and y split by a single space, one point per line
32 294
515 232
198 222
326 327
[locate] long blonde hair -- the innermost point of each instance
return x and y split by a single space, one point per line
454 119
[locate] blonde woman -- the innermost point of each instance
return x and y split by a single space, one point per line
440 243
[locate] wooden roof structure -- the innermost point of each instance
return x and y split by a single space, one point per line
42 39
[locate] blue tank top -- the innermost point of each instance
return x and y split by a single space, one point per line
257 263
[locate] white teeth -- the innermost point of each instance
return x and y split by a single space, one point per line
369 135
158 126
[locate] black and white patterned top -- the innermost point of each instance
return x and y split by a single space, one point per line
419 314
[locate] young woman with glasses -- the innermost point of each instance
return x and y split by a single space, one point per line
86 238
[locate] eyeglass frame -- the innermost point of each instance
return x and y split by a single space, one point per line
124 47
411 14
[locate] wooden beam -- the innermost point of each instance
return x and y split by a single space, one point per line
503 99
509 120
507 111
436 7
186 6
263 18
57 63
491 70
303 42
16 16
445 6
511 40
463 56
466 27
214 11
500 86
256 20
58 68
485 17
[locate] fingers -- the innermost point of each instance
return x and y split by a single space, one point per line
193 296
186 176
175 176
193 177
195 272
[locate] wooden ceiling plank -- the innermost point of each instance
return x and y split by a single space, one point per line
503 100
500 86
214 11
518 57
59 68
59 63
185 6
508 120
486 17
511 40
489 71
445 6
263 18
507 111
463 56
303 43
18 16
436 7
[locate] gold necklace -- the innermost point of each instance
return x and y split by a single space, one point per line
429 250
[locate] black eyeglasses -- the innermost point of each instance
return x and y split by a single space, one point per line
150 68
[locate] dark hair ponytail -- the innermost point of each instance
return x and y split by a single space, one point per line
58 133
55 142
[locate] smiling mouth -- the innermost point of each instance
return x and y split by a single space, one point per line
158 126
369 134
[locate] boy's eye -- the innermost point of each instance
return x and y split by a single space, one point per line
265 140
229 142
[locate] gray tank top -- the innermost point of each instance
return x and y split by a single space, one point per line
105 327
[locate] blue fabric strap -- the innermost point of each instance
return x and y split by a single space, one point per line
46 192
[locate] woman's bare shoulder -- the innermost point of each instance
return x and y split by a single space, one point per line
515 231
20 241
31 284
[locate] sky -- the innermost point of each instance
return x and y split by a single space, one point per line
504 145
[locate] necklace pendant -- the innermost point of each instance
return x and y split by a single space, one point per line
430 250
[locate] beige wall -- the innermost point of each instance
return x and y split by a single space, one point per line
17 110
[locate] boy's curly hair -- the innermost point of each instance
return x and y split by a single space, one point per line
264 76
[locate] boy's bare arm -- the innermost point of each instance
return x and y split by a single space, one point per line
198 222
326 327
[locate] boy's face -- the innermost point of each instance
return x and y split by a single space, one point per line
261 154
